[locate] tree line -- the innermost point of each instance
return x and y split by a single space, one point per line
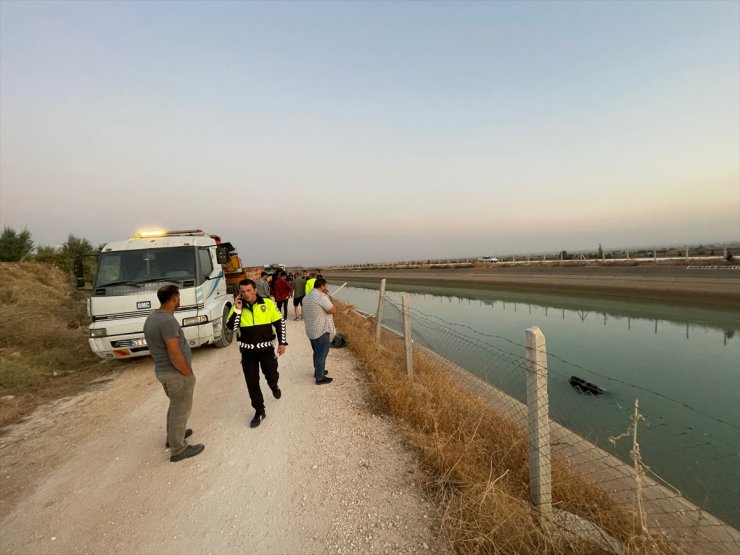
18 246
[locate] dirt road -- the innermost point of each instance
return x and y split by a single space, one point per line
322 474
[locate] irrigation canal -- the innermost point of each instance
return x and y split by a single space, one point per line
683 364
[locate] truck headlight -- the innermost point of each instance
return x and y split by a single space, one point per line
195 320
98 332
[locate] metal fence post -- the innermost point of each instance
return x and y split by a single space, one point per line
379 314
538 423
407 334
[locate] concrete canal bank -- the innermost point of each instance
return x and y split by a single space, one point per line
692 285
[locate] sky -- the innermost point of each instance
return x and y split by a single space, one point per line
318 133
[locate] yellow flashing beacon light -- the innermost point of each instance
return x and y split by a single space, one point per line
148 233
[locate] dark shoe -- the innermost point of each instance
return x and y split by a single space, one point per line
325 380
277 393
190 451
258 417
188 433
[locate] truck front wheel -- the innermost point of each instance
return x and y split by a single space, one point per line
226 336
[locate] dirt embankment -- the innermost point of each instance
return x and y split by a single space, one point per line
708 286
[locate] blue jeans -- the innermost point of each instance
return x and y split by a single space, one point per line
320 348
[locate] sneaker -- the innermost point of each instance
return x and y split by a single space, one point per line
277 393
258 418
325 380
296 318
190 451
188 433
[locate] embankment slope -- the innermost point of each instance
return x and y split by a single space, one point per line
708 286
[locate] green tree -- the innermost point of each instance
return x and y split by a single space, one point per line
63 257
14 246
46 254
71 248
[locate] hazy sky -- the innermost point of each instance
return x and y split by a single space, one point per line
329 132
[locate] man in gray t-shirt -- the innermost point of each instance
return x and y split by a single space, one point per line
159 327
263 285
172 366
299 291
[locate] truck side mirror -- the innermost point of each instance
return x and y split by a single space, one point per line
222 255
79 271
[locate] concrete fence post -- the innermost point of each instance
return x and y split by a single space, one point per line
379 314
687 252
407 334
538 424
628 254
338 289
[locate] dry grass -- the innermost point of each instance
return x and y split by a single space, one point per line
44 352
476 459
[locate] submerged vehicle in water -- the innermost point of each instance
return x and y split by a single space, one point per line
582 386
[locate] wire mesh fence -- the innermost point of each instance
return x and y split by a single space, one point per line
597 432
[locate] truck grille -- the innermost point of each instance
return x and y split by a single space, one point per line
129 343
140 313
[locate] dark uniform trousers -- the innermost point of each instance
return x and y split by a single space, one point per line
251 362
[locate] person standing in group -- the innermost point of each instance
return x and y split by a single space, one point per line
282 294
317 312
263 285
173 368
255 317
299 291
310 282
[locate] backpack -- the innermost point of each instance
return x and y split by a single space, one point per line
339 341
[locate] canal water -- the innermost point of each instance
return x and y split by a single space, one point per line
683 364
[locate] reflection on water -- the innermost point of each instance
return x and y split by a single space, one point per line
682 363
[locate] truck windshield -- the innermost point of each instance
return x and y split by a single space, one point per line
145 266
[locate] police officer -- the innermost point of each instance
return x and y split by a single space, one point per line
255 316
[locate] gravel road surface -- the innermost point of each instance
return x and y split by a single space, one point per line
322 474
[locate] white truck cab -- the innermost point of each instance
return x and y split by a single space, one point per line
130 272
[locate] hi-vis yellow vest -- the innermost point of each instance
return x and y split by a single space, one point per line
255 326
261 314
309 285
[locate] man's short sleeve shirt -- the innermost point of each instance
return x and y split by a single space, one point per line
317 320
158 328
299 287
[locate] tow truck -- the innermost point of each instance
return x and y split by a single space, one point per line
129 273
